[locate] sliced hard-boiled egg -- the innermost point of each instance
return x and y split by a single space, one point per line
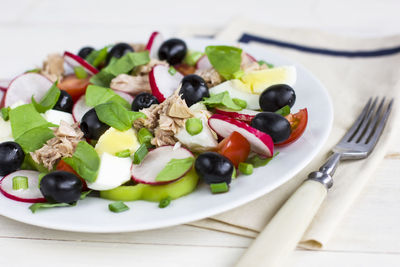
5 131
114 141
260 80
113 172
55 116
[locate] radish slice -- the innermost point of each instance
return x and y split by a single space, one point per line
125 96
147 171
203 63
162 83
4 84
25 86
260 142
76 61
153 45
30 195
245 115
80 108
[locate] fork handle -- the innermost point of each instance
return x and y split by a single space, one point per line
286 228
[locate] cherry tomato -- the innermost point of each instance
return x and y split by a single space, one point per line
63 166
235 147
185 69
74 86
298 123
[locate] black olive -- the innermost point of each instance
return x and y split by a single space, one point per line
118 51
193 89
214 168
273 124
64 102
11 157
85 51
276 97
143 100
173 51
91 126
61 187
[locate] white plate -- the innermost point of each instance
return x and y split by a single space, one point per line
92 214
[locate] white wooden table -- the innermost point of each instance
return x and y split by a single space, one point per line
28 26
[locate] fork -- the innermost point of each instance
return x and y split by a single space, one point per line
284 231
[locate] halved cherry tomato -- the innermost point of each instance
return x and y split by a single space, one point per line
235 147
74 86
298 123
185 69
63 166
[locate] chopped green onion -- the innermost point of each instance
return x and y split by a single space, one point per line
245 168
238 74
117 207
145 136
172 70
194 126
165 202
219 188
192 57
240 102
80 72
140 153
284 111
35 70
123 154
234 174
20 182
263 62
257 161
5 113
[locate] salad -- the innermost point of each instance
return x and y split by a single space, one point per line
146 122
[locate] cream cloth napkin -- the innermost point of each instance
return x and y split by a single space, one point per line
351 78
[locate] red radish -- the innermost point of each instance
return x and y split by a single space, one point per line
147 171
30 195
4 84
153 45
80 108
203 63
162 83
25 86
1 96
261 143
76 61
245 115
125 96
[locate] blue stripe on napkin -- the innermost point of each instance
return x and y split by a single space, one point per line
246 38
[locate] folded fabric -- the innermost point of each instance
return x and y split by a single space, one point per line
352 70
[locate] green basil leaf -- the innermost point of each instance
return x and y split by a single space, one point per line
221 100
85 161
96 95
37 206
49 100
85 194
119 66
35 138
226 60
116 116
284 111
174 169
97 57
257 161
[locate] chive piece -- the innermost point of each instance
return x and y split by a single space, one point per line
284 111
20 182
234 173
140 153
219 188
165 202
245 168
263 62
240 102
172 70
123 154
145 136
193 126
117 207
80 72
192 57
35 70
238 74
5 113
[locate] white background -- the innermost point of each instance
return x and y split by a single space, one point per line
29 29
